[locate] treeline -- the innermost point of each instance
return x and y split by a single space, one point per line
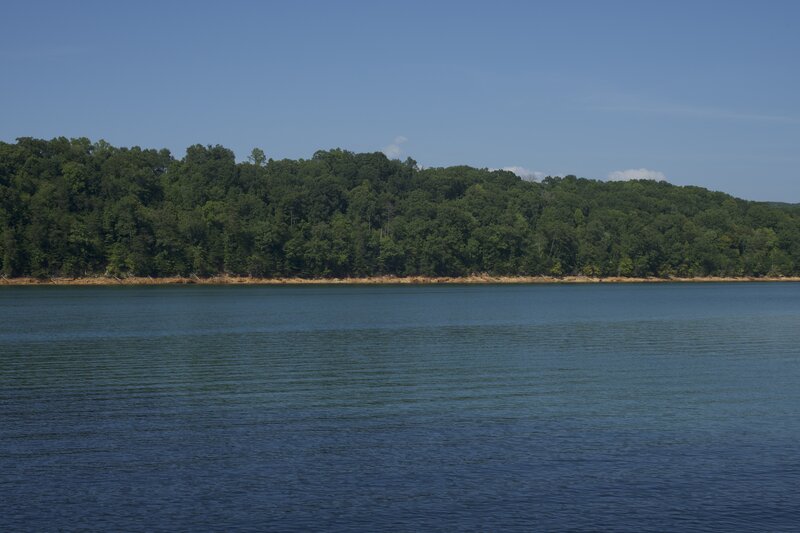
70 207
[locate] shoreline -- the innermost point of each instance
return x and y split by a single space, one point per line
483 279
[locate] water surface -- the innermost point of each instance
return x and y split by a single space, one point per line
624 407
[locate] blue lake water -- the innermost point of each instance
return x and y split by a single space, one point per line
401 408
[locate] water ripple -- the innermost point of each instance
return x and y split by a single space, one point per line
638 408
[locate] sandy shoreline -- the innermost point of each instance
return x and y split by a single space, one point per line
377 280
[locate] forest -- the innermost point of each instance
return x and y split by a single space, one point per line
71 207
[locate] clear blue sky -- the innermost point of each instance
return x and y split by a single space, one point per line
704 93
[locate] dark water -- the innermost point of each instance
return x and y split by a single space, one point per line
613 407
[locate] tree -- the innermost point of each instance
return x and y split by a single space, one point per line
257 157
70 207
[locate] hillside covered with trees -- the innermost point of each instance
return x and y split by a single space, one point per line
70 207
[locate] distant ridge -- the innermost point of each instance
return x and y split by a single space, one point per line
783 205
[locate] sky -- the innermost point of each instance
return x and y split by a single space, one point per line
693 92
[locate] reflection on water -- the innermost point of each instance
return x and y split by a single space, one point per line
661 407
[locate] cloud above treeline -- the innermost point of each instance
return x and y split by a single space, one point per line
524 173
394 150
636 174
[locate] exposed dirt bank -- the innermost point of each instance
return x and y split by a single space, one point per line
377 280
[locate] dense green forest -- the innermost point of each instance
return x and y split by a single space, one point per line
70 207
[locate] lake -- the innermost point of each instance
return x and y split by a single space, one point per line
624 407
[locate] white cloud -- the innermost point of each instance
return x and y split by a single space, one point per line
394 150
636 174
524 173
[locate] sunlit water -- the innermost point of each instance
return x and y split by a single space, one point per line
616 407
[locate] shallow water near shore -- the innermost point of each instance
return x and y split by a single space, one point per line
484 407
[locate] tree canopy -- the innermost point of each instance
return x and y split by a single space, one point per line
70 207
